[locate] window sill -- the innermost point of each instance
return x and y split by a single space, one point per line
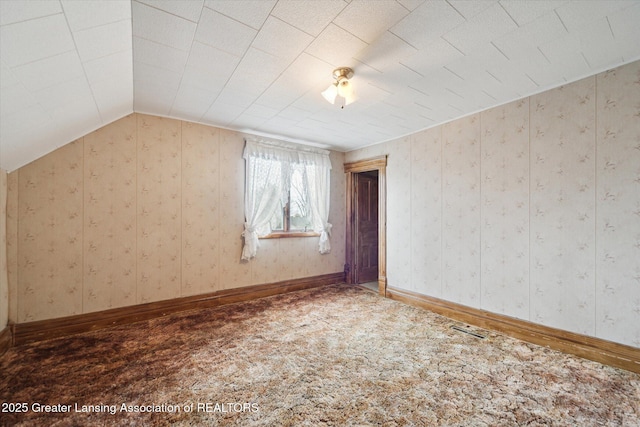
287 234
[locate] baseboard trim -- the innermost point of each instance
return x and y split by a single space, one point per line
53 328
6 340
596 349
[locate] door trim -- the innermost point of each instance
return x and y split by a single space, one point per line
379 164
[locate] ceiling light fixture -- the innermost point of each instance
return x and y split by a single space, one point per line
342 87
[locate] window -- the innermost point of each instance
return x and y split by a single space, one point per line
295 214
286 193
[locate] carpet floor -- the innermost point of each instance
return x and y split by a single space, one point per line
336 355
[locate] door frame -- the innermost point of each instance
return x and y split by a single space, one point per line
351 168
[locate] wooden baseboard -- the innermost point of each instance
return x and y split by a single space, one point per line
53 328
596 349
6 340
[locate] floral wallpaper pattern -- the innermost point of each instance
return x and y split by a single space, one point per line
563 207
505 209
617 293
12 244
50 234
4 283
426 196
144 209
109 226
532 208
461 210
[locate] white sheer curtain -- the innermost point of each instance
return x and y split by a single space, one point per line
319 178
262 197
266 188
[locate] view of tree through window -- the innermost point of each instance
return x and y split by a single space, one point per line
296 212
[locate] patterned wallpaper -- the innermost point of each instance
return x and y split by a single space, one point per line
530 209
4 284
144 209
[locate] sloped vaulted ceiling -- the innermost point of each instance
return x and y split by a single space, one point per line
69 67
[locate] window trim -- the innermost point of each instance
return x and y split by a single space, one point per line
287 234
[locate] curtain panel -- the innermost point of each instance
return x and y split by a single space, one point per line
267 187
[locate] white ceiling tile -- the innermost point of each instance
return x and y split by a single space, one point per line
7 77
113 96
277 123
533 63
119 64
258 68
159 55
310 17
71 92
86 14
281 39
336 46
237 97
149 99
22 127
488 25
626 31
77 110
224 33
35 39
572 65
148 76
15 98
18 154
292 113
426 24
513 79
309 103
12 11
246 122
188 9
594 41
388 51
162 27
433 56
368 20
469 9
435 81
471 65
307 71
192 101
250 12
102 41
222 114
544 29
50 71
279 96
524 12
577 14
411 4
74 120
209 67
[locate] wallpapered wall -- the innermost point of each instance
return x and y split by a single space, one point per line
530 209
4 285
144 209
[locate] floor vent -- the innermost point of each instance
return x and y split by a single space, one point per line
468 331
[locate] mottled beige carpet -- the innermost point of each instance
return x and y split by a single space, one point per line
336 355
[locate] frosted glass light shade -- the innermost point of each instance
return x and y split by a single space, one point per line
345 90
330 93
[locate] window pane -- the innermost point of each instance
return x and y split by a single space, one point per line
277 220
299 208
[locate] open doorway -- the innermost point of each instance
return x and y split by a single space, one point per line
366 224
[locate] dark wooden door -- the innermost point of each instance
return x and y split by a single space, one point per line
366 226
